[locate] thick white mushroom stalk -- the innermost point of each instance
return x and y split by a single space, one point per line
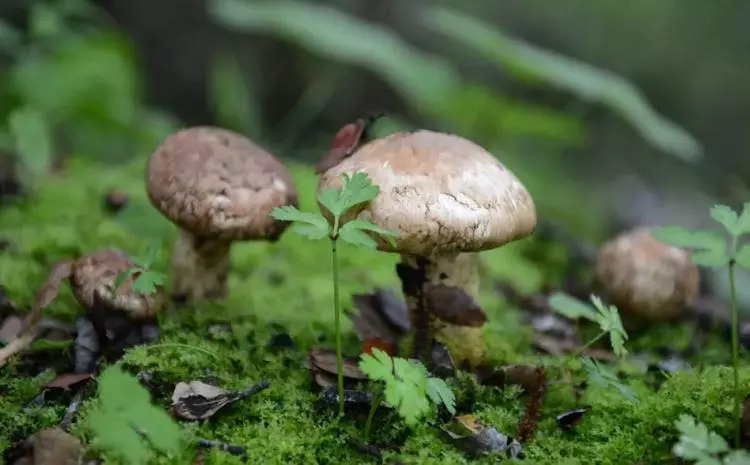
459 270
200 267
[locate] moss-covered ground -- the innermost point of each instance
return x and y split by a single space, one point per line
288 284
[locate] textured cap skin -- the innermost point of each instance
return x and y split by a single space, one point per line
648 280
214 182
93 277
441 193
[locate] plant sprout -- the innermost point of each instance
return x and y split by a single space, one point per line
713 250
356 190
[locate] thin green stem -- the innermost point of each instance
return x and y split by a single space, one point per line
375 403
735 354
337 315
587 345
181 346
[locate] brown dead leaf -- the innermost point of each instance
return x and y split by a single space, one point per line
322 365
197 400
453 305
66 381
470 435
381 315
52 446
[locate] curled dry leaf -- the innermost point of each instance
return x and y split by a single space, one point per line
346 141
471 436
322 365
441 362
453 305
197 400
381 316
568 420
66 381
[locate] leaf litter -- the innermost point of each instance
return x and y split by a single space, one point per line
196 400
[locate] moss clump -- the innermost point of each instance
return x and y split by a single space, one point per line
288 284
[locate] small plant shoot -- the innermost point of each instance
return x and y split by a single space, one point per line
704 447
147 280
408 388
126 424
357 189
714 250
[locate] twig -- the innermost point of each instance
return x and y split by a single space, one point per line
223 446
72 409
252 390
17 345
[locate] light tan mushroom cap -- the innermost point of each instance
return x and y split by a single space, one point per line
214 182
440 193
647 279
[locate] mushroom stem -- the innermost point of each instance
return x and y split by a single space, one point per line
459 270
200 267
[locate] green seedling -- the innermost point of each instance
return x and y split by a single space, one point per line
713 250
608 319
126 424
407 387
147 280
357 189
704 447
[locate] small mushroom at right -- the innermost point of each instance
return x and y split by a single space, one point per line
649 281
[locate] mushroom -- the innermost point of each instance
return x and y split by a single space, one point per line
217 187
649 281
447 199
115 318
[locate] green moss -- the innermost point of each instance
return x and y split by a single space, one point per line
288 283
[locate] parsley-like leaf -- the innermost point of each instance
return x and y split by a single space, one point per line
147 282
125 416
358 189
737 457
441 393
743 223
711 245
743 256
726 217
697 442
362 225
609 321
570 307
603 376
377 366
122 277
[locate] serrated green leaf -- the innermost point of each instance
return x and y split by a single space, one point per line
358 189
291 213
113 383
570 307
609 321
367 226
737 457
149 257
743 256
312 232
743 223
330 199
161 431
697 442
115 435
32 139
378 366
357 238
726 217
683 237
710 257
122 277
602 375
147 282
440 393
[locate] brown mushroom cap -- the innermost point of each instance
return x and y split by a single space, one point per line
440 193
93 282
214 182
647 279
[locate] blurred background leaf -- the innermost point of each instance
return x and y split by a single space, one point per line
31 137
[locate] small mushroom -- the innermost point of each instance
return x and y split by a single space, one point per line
120 316
217 187
649 281
447 199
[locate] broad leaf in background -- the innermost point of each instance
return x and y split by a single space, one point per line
32 139
232 98
711 245
582 79
419 78
571 307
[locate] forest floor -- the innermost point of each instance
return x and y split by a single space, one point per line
285 287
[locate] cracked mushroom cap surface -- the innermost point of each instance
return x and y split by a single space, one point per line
648 280
215 182
93 282
440 193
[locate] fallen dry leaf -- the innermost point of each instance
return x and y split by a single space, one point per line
322 365
197 400
471 436
453 305
380 316
67 380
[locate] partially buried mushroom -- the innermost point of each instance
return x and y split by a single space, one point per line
217 187
115 318
446 198
649 281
